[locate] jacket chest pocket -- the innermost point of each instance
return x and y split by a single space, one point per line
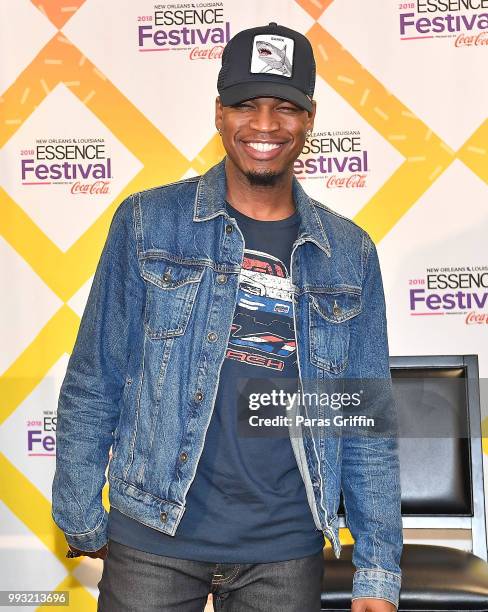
330 315
171 290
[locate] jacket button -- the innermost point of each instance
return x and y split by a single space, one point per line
221 279
199 396
183 456
164 517
166 277
336 309
229 229
212 336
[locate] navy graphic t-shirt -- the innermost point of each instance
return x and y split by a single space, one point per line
247 502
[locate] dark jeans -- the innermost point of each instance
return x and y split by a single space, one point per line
137 581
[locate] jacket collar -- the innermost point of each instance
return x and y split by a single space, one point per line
212 192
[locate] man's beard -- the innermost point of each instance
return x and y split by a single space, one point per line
266 178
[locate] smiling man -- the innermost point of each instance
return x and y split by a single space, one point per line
233 276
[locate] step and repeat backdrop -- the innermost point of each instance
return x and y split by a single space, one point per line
102 98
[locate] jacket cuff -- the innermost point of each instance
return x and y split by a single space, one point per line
379 584
90 541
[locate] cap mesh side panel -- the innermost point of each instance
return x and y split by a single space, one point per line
224 68
312 81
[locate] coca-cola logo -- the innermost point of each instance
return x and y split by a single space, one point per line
472 41
207 53
97 187
476 318
357 181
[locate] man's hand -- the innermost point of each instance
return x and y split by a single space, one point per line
372 605
101 553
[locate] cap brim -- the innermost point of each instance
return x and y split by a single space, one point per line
262 89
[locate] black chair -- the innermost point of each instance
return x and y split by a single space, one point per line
442 488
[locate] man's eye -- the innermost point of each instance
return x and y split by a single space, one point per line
289 108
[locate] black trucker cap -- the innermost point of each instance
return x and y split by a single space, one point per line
268 61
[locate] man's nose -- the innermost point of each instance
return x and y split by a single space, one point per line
264 120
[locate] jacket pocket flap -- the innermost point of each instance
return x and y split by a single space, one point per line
336 307
168 274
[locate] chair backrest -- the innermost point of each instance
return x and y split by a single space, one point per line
441 458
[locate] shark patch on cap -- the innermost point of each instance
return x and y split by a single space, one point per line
272 54
270 61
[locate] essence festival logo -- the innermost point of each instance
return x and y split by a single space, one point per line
198 28
41 435
338 158
460 20
461 291
81 163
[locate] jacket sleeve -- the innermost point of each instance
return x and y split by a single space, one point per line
88 404
370 464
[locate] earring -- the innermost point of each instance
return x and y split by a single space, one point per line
308 134
218 130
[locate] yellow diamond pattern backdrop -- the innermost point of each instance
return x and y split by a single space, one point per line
80 64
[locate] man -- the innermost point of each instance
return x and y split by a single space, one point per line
202 284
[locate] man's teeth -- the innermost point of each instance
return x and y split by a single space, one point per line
263 146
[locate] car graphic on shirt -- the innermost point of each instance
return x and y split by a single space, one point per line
266 341
264 285
263 321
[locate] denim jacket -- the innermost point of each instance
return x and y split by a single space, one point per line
144 371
